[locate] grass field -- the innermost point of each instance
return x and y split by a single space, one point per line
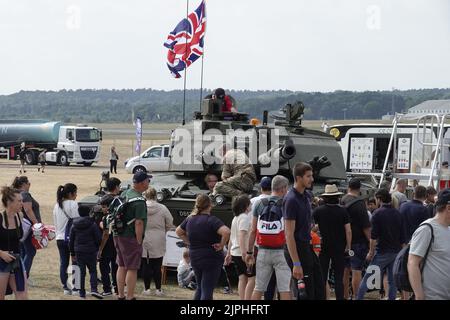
45 270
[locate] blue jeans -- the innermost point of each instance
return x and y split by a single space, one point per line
64 259
27 252
384 261
207 276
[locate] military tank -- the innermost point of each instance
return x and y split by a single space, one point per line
273 148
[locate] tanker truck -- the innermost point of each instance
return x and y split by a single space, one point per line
63 144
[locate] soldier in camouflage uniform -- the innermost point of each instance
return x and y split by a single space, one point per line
238 175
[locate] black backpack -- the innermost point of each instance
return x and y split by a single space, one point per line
400 269
116 214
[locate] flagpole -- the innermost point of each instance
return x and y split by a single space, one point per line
201 75
201 82
185 71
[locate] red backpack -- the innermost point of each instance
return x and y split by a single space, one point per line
270 227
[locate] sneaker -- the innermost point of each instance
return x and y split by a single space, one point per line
159 292
107 294
67 292
227 290
97 295
192 286
75 292
147 292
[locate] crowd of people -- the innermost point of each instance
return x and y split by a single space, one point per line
283 237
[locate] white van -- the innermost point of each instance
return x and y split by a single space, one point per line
155 158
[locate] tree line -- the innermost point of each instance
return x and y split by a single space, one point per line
102 106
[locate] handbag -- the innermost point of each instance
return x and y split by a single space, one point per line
68 227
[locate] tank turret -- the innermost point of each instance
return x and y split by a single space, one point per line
272 147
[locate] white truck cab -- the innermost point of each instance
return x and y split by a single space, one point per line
76 144
155 158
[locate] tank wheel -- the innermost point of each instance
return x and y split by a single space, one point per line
139 168
30 158
62 159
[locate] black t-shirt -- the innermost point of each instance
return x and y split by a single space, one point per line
359 218
202 233
109 250
332 220
10 238
387 229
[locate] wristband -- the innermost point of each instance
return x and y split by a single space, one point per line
297 264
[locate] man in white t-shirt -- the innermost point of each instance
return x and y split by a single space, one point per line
433 283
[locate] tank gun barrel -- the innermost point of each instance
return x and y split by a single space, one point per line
281 153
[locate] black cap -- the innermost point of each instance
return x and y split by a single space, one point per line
445 163
219 93
141 176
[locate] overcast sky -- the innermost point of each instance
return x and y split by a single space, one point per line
306 45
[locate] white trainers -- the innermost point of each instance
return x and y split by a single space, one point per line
147 292
159 292
67 292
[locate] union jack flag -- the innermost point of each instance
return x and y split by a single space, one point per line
185 42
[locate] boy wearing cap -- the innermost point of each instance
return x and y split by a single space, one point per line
433 283
129 243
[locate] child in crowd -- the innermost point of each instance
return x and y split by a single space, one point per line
84 243
186 276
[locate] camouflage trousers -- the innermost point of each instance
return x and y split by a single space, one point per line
234 186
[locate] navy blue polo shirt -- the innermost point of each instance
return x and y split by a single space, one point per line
414 213
387 229
297 206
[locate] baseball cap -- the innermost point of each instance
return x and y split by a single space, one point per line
141 176
266 183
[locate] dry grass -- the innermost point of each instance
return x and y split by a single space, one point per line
45 270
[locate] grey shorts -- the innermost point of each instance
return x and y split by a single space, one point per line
268 261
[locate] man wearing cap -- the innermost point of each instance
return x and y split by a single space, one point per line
334 226
129 243
433 283
238 175
266 189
